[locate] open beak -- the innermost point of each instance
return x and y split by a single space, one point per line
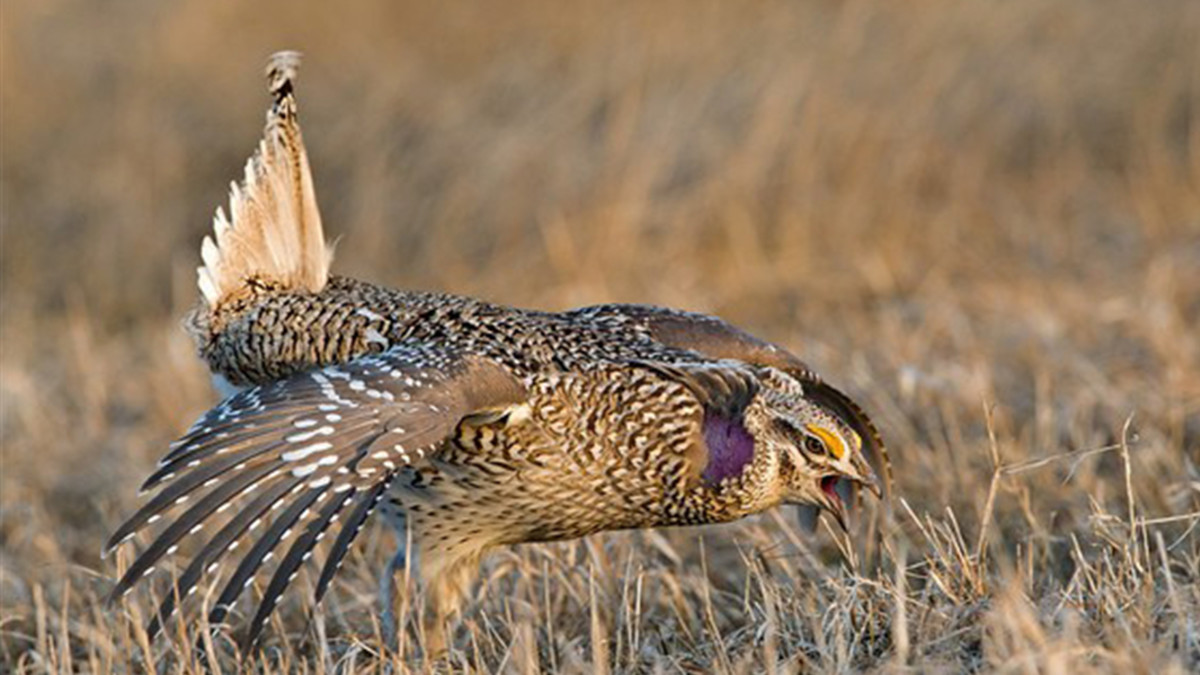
833 502
837 490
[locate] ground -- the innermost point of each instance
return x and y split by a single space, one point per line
982 219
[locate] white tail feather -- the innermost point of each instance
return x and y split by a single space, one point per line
273 232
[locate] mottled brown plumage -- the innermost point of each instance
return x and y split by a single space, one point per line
475 425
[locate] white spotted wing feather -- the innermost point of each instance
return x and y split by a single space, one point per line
287 459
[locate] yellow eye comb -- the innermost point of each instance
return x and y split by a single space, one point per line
832 441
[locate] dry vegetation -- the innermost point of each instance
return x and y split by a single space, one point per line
982 218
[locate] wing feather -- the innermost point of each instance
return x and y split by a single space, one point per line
258 553
178 492
217 547
350 528
299 552
296 453
183 525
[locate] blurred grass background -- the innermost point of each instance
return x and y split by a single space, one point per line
947 207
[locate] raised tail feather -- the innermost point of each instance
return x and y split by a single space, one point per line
273 231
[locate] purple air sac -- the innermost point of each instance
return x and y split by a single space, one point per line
730 448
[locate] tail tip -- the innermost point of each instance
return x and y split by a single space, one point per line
282 67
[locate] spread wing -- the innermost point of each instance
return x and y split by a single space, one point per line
300 458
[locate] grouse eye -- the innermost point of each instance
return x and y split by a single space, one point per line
814 445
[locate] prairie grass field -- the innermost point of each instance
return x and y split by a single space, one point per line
980 219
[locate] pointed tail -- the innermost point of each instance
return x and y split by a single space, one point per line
273 233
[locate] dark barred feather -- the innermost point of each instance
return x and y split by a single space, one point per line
306 447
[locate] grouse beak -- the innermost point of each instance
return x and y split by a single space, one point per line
872 483
866 477
834 492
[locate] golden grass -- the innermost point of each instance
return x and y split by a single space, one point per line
981 218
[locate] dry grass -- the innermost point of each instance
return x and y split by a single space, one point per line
982 218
